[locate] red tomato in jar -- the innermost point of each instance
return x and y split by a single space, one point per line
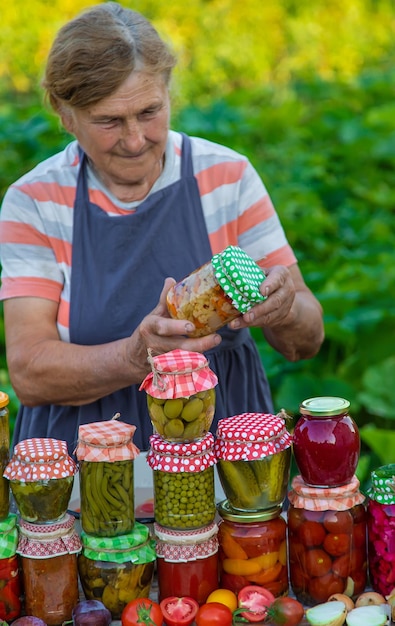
337 543
179 611
318 562
256 600
214 614
321 587
338 521
142 611
312 534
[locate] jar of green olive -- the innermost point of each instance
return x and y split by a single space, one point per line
4 455
183 476
117 570
180 395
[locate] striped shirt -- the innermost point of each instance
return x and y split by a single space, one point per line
36 220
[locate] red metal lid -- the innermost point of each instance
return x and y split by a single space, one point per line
303 496
40 459
178 374
40 541
251 436
109 440
195 456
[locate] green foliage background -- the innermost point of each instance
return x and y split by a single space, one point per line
305 88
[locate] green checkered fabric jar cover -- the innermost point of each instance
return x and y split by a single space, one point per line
136 547
8 536
382 487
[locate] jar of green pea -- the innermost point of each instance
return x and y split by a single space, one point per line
183 477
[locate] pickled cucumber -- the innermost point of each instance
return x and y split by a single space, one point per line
239 484
182 419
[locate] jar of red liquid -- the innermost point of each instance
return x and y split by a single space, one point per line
326 541
326 442
10 581
381 529
187 562
253 549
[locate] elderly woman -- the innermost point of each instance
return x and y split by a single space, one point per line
93 238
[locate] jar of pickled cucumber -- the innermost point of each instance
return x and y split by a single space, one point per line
48 555
381 529
253 452
41 475
326 541
253 549
180 395
116 570
187 562
10 578
106 454
218 292
183 477
4 455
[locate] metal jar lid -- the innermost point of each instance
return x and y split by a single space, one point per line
247 517
324 406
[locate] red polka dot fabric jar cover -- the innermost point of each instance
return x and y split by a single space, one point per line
253 452
41 475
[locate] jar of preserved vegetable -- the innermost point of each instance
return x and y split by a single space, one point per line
326 442
183 476
4 455
218 292
10 580
41 475
106 454
49 569
180 395
187 562
253 452
253 549
326 541
381 529
116 570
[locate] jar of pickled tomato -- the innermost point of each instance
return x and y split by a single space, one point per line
253 549
180 395
187 562
218 292
117 570
48 555
381 529
326 541
326 442
41 475
4 455
253 452
106 454
183 477
10 579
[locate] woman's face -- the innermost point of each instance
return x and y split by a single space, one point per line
125 134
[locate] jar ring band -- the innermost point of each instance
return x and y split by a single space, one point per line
157 374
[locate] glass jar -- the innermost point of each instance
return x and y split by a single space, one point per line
180 395
4 455
381 529
183 477
326 541
253 549
187 562
10 580
116 570
49 569
106 454
253 452
326 442
41 475
218 292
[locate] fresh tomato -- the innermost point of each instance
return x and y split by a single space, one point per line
214 614
179 611
142 611
224 596
256 599
285 611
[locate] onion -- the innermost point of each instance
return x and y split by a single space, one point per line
370 615
368 598
91 613
342 597
331 613
28 620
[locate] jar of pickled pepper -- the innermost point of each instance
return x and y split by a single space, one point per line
41 475
116 570
106 454
326 541
381 529
183 477
218 292
253 549
180 395
10 578
187 562
253 452
48 554
4 455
